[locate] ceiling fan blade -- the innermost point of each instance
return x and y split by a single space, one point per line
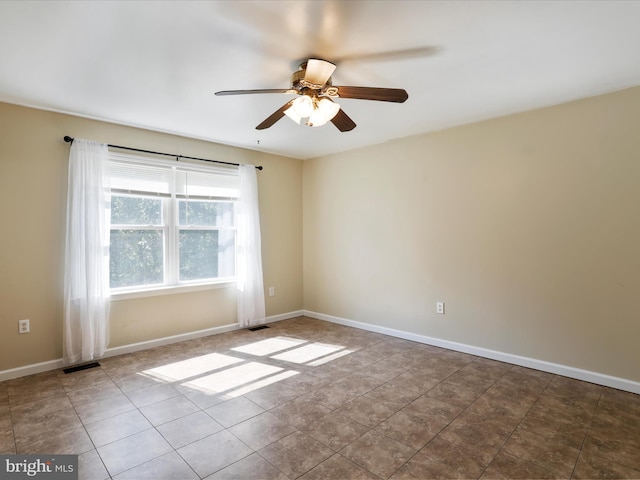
397 95
389 55
264 90
318 71
343 121
274 117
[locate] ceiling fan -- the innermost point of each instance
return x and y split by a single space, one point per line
316 94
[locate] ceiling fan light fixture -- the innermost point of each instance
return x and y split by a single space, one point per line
325 110
291 113
303 106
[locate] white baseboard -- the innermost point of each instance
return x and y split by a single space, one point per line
555 368
285 316
30 369
159 342
136 347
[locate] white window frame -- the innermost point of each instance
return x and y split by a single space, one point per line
171 229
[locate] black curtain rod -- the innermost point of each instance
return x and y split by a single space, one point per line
69 139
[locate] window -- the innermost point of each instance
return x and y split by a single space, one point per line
171 224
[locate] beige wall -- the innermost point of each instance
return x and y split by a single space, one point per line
33 178
527 226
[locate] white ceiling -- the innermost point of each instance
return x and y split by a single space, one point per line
157 64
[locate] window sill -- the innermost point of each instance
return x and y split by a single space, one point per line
164 290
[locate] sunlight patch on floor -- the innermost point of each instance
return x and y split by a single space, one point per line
233 377
308 353
269 346
192 367
330 358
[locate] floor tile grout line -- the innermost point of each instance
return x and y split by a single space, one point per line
586 434
550 382
456 417
87 432
422 395
173 449
551 378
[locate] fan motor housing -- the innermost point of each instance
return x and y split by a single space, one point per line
297 79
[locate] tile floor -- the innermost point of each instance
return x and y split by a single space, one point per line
313 400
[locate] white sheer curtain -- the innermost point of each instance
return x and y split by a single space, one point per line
86 279
251 309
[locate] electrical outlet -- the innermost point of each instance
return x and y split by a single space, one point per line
440 308
23 326
272 291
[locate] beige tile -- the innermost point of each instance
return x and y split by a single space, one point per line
378 454
369 411
440 460
331 396
189 429
575 408
29 428
129 452
7 442
34 388
433 406
295 454
479 437
130 382
338 467
507 467
465 414
455 393
335 431
168 410
507 411
300 412
251 467
412 427
90 467
594 466
170 466
569 387
38 411
471 376
623 453
65 442
203 399
274 395
234 411
117 427
103 408
92 393
83 379
521 383
128 363
409 385
554 428
227 447
153 394
261 430
536 450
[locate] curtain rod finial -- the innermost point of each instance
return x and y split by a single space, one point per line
68 139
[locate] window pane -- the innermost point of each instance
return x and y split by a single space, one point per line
127 210
206 254
203 213
136 258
